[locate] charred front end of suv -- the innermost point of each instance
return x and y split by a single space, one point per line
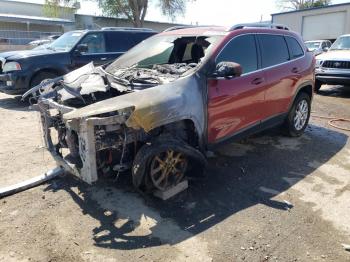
87 146
93 129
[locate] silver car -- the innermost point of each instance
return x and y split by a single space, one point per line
318 46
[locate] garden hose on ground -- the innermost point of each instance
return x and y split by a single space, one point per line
333 119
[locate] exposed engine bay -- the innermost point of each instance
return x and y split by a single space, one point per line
90 84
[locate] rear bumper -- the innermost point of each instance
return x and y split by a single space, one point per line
14 83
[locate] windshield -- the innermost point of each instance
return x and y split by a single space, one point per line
166 49
342 43
66 41
312 45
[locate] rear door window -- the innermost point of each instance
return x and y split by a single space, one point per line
274 50
123 41
241 50
294 47
118 41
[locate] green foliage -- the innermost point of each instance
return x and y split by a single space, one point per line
301 4
135 10
172 8
58 8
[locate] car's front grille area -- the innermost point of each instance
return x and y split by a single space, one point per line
336 64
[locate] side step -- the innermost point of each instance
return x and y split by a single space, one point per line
35 181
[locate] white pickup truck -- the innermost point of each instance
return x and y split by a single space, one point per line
333 67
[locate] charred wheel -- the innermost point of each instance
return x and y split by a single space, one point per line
167 169
163 163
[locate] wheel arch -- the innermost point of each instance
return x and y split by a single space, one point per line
186 129
53 70
307 87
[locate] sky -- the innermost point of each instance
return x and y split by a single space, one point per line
206 12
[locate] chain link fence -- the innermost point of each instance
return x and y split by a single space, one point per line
13 39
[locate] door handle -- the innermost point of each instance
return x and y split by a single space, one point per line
295 70
103 58
258 81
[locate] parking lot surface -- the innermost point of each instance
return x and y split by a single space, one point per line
266 198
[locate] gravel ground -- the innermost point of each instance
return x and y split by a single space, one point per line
267 198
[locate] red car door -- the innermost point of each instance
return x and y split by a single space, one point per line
236 104
282 70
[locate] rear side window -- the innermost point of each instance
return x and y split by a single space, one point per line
123 41
295 49
274 50
241 50
118 41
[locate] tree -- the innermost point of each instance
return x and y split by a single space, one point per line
135 10
301 4
58 8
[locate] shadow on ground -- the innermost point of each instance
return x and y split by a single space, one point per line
335 91
14 103
241 176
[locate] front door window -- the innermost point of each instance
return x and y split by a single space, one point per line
95 43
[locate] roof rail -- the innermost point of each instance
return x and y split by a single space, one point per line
259 25
179 27
128 29
187 26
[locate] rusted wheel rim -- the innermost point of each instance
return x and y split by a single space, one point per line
167 169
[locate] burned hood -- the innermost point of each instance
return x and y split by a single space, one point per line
84 80
152 107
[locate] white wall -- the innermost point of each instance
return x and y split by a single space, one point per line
320 23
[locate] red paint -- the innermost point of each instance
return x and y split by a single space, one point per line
233 105
236 104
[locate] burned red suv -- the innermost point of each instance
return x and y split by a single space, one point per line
161 106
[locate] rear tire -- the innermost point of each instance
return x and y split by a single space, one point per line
298 116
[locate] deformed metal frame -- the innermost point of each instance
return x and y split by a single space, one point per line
85 129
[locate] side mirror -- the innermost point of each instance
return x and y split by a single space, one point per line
325 49
80 49
228 70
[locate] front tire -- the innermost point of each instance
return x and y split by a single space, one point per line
298 116
38 79
164 163
318 86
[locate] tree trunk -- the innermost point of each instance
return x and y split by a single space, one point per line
138 9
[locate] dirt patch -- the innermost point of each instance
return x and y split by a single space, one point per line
268 198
